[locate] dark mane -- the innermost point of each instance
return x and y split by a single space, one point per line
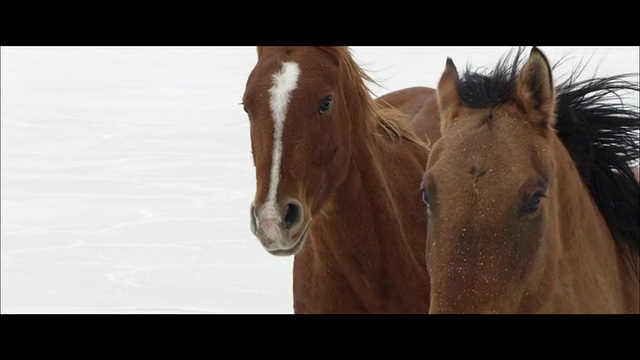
601 134
599 131
487 89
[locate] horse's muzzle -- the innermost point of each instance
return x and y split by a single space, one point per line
280 233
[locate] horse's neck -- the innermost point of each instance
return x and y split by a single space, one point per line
371 240
380 189
582 227
588 263
374 194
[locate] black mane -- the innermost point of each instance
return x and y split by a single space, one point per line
488 89
600 132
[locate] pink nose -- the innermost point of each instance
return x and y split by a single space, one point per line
275 228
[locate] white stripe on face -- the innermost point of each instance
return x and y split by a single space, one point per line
284 82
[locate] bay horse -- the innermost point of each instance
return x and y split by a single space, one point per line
337 176
532 206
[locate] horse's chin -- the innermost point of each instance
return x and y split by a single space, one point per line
296 246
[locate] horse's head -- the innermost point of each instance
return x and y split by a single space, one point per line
299 137
486 184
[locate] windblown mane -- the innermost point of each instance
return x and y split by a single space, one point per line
601 134
599 131
392 121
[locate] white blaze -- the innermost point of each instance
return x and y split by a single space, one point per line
284 82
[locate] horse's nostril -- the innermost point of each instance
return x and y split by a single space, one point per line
292 214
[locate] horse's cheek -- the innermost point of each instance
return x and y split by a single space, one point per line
525 248
329 168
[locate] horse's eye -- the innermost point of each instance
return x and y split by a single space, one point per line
325 104
244 107
534 203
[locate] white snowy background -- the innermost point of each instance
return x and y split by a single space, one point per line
127 173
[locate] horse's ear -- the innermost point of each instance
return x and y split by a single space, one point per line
536 89
260 49
448 98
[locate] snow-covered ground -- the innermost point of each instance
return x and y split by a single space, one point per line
127 173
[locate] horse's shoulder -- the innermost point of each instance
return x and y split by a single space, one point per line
420 104
406 98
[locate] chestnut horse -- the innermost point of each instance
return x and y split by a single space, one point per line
531 204
338 175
